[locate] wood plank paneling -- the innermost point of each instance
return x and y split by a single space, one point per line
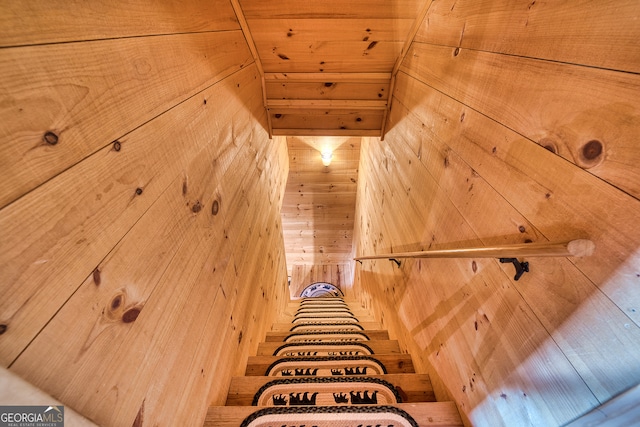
56 21
589 33
588 116
298 44
479 97
439 301
153 325
327 90
95 203
464 182
331 57
318 209
64 102
322 119
280 32
335 9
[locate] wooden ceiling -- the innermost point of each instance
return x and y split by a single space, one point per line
328 70
328 66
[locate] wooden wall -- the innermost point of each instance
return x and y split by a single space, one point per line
340 275
319 201
141 251
511 122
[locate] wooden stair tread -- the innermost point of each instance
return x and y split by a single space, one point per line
378 334
378 347
440 414
394 363
411 387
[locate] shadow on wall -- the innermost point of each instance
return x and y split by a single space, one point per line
549 347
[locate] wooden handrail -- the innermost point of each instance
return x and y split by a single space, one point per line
575 248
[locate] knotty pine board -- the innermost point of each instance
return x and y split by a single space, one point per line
606 369
327 90
326 119
90 94
592 34
310 30
588 116
329 57
358 9
56 21
588 207
429 272
95 203
187 269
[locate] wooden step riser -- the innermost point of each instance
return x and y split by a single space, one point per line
411 388
433 414
394 364
377 347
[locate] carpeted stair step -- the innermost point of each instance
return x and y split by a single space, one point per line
324 349
287 327
377 334
410 388
433 414
377 364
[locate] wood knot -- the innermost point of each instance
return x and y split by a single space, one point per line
591 154
474 266
138 191
522 229
215 207
592 149
3 329
456 51
116 302
328 84
50 138
117 146
278 115
131 315
197 207
549 145
96 276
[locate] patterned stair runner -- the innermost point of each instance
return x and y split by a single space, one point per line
331 366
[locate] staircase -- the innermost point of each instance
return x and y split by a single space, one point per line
331 365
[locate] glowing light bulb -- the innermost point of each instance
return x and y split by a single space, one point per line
326 157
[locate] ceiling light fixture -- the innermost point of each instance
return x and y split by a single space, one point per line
326 157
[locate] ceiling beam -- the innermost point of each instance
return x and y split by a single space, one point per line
343 104
407 44
256 58
326 132
329 77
